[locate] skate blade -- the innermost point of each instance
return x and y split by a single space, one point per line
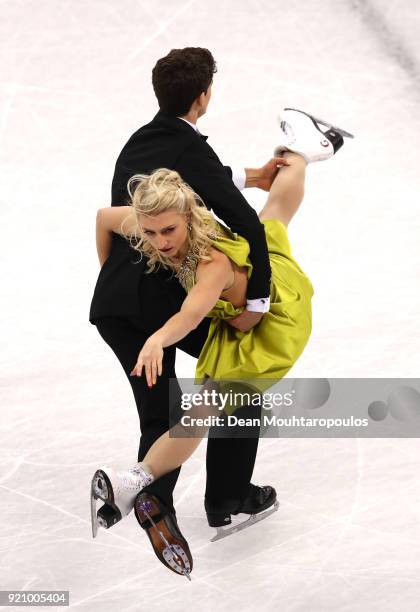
327 124
168 554
108 514
94 490
223 532
93 516
172 555
101 487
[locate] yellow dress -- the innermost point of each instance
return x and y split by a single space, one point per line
269 349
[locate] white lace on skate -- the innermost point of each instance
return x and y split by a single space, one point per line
134 479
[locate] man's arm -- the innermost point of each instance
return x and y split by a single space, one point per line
261 178
203 171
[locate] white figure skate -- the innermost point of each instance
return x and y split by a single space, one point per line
301 133
118 490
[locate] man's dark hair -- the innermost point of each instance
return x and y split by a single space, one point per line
180 77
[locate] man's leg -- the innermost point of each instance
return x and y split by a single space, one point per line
230 460
126 340
230 464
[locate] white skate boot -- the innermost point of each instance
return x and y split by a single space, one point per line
301 133
118 490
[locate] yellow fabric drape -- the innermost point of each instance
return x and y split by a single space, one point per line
270 349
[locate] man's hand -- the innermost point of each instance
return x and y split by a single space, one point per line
268 172
246 320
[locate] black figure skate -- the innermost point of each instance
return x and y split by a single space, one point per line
170 546
301 133
260 503
118 490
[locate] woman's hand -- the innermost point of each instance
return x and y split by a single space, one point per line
150 357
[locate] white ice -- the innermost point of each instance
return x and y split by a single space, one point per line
75 83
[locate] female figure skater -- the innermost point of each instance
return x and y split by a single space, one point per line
168 222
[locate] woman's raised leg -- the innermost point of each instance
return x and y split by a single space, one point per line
287 190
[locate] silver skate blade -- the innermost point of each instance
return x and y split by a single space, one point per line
327 124
223 532
99 489
173 554
93 515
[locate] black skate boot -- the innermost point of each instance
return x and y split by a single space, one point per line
259 503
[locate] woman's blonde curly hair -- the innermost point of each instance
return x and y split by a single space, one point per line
165 190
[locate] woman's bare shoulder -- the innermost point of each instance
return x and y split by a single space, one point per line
219 262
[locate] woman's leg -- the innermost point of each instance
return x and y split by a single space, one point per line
287 190
167 454
175 446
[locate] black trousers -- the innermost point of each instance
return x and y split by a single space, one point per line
230 460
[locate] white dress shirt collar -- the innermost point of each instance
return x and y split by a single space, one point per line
189 123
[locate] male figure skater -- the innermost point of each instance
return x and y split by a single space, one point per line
129 305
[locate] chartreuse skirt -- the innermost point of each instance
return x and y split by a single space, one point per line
270 349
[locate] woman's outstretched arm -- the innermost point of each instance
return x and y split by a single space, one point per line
200 300
211 279
109 220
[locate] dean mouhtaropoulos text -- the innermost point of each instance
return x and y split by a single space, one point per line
271 421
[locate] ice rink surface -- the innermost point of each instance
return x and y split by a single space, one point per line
75 83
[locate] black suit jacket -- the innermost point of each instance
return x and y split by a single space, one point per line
169 142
